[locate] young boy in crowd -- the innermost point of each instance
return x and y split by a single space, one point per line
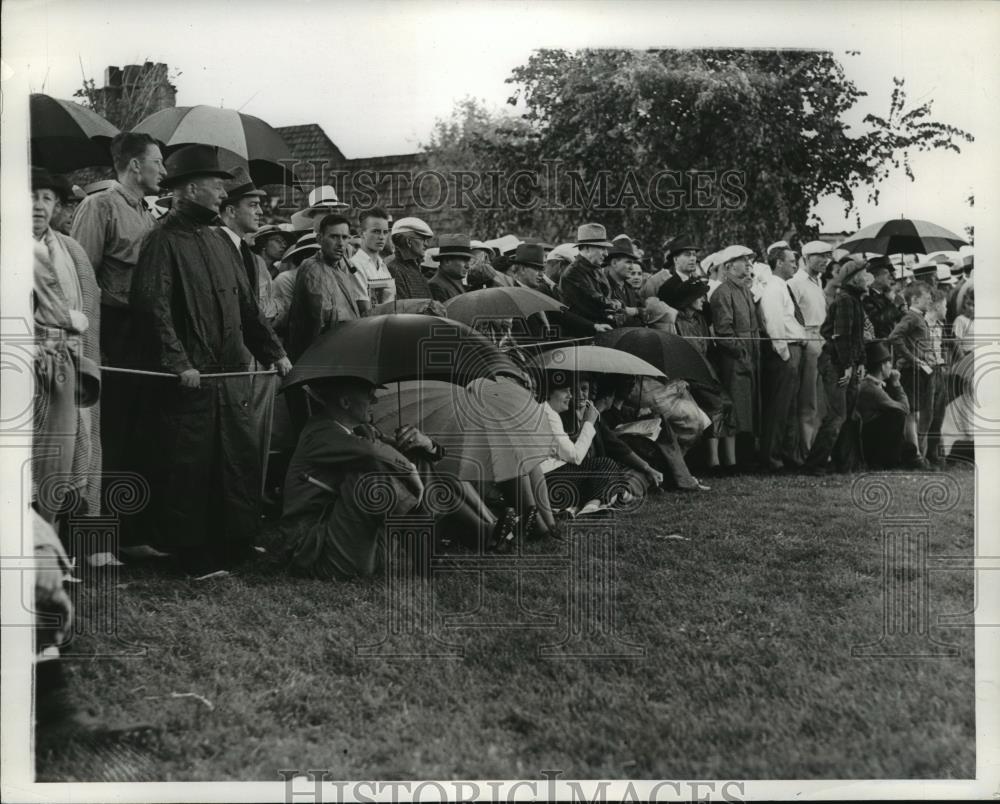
910 340
929 425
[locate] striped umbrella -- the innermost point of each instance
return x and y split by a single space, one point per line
243 140
66 136
902 236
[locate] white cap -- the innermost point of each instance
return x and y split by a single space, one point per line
429 258
778 244
816 247
504 244
730 253
564 251
412 225
710 261
479 245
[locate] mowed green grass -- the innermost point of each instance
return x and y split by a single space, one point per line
747 627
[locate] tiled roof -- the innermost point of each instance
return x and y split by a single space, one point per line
309 142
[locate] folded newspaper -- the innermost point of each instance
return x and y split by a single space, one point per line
649 428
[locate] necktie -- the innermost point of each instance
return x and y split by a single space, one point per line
250 266
798 310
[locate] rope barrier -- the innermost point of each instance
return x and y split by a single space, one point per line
118 370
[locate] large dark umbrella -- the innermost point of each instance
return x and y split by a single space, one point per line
391 348
673 355
243 140
493 303
902 236
66 136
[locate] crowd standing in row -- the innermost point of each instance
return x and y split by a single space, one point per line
818 364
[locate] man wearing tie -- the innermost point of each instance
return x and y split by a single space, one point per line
241 216
782 361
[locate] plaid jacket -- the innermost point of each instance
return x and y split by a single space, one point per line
844 330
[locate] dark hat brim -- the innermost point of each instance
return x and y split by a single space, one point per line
680 296
458 252
173 181
538 266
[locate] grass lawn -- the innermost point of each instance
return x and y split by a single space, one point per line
747 627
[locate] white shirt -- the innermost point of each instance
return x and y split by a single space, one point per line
777 310
563 449
810 296
373 277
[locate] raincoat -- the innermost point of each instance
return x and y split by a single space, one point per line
195 309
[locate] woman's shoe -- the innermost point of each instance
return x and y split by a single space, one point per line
503 535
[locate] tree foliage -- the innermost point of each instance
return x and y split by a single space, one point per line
774 118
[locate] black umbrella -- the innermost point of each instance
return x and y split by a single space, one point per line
391 348
673 355
66 136
902 236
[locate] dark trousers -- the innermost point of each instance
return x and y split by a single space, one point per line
931 418
882 439
119 392
781 386
839 406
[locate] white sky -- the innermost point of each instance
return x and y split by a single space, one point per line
376 74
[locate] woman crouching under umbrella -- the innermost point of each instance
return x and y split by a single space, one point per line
346 478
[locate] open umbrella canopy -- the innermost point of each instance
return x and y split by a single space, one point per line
673 355
596 360
66 136
390 348
424 306
902 236
491 430
494 303
244 140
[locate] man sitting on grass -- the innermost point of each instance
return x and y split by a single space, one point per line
883 407
346 478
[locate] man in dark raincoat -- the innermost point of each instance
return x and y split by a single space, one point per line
196 313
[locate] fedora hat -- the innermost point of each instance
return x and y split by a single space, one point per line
592 234
453 245
241 186
322 201
622 246
681 243
531 255
876 353
925 269
306 243
680 294
192 162
273 230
